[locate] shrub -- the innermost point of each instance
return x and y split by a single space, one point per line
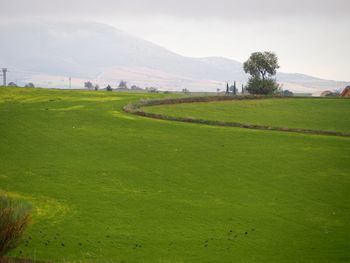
287 93
12 84
262 86
14 219
30 85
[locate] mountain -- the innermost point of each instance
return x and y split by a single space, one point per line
47 53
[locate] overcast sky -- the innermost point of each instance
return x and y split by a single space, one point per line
311 37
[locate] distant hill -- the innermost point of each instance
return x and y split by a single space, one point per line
47 53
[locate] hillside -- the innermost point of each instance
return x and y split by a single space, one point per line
107 186
47 53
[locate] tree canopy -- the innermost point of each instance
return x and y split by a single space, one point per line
261 65
89 85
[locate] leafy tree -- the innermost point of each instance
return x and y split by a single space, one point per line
135 87
152 90
123 84
262 66
109 88
29 85
97 87
287 93
12 84
89 85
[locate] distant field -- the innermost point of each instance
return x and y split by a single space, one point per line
307 113
108 186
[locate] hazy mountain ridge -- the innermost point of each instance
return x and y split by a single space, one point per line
43 52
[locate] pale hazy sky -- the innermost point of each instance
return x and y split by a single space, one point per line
309 36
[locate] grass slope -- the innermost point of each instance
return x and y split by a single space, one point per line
113 187
308 113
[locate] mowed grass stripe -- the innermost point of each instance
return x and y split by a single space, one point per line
141 190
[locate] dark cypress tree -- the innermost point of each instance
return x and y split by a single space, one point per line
227 89
242 89
234 88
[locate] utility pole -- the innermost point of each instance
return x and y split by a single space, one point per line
4 71
234 88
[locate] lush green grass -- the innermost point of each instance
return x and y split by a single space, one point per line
113 187
308 113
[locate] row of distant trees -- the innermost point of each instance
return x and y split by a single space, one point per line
122 86
234 90
261 66
28 85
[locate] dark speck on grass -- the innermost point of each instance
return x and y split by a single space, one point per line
62 244
246 233
137 245
80 244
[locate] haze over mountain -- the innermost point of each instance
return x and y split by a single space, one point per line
48 53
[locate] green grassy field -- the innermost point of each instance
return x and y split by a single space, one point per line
308 113
112 187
